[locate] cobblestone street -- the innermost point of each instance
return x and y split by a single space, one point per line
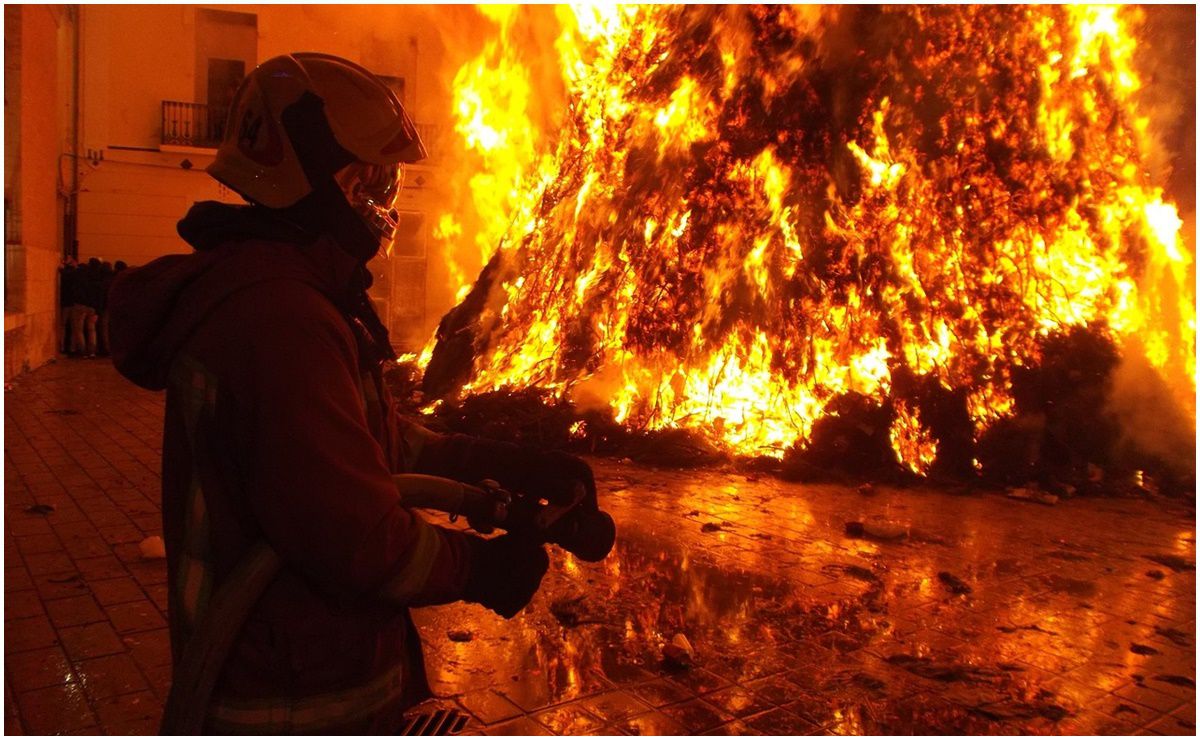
990 616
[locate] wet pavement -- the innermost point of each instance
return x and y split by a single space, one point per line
988 616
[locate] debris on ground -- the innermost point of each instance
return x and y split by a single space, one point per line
954 583
927 538
710 527
678 653
1139 649
1174 562
1179 637
945 670
1037 496
40 509
1175 680
877 530
460 635
570 610
1025 628
1020 710
1157 575
856 572
866 489
153 548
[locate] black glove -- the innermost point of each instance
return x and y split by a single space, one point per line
505 573
557 472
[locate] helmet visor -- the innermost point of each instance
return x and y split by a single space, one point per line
372 191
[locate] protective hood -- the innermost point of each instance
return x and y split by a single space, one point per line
155 309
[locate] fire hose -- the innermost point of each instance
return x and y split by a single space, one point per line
576 524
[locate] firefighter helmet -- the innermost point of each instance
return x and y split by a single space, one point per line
306 122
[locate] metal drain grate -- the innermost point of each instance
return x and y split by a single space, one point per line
441 722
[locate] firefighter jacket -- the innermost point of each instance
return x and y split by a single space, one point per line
277 431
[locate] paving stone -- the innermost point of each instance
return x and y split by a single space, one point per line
519 727
137 713
1149 697
38 669
489 707
48 563
738 701
651 723
572 719
22 604
28 633
615 705
90 641
109 676
779 722
116 591
736 728
149 649
661 693
38 544
697 715
16 578
98 568
135 616
55 709
699 681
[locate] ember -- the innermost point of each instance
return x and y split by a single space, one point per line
750 215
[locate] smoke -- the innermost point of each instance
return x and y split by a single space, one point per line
1154 426
1167 63
1157 409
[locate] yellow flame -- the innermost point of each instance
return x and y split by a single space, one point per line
1109 254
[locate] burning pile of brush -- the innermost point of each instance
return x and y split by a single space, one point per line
919 239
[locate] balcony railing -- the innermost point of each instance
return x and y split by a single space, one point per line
192 124
198 125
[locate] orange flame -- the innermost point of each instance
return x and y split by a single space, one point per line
682 249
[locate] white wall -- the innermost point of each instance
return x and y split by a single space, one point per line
133 190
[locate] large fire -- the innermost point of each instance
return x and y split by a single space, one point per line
747 212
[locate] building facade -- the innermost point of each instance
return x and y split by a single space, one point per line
39 101
114 136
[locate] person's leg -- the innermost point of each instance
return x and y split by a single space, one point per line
64 329
77 317
104 346
91 333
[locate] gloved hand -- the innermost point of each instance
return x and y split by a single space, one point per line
561 470
505 573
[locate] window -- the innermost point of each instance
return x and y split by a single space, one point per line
410 235
226 49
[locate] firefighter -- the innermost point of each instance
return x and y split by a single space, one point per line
292 563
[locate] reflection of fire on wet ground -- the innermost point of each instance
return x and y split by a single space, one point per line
797 626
